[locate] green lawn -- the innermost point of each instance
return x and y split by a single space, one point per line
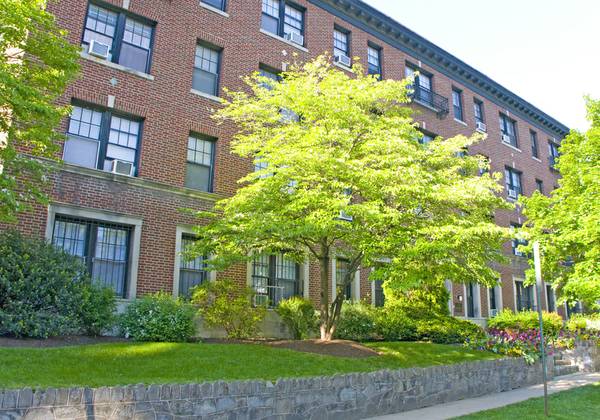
123 363
579 403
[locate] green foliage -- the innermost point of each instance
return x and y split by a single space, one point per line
299 315
36 65
224 304
581 322
448 330
393 324
353 149
46 292
423 303
526 321
357 322
567 224
158 317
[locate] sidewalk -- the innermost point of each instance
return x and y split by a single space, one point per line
487 402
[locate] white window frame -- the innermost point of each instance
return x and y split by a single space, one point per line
516 279
180 231
104 216
498 292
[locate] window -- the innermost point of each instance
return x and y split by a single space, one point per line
524 296
269 74
217 4
551 299
200 163
508 130
534 143
457 104
517 240
206 70
552 153
283 19
128 39
422 87
513 182
374 60
341 271
472 300
191 272
425 139
493 300
102 247
379 297
341 44
95 139
274 278
539 185
478 111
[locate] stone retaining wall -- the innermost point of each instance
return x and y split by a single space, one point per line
352 396
585 355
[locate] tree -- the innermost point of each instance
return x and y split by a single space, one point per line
567 224
341 172
36 65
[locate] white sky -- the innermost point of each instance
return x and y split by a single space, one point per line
546 51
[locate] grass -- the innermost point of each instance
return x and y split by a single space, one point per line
124 363
579 403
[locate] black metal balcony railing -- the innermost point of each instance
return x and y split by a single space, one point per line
430 99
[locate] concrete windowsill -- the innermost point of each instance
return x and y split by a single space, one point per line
116 66
538 159
346 68
512 147
213 9
206 96
461 122
277 37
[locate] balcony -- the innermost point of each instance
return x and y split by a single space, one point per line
552 161
430 99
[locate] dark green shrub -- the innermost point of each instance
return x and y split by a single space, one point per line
448 330
158 317
46 292
356 322
224 304
526 321
422 303
299 315
392 324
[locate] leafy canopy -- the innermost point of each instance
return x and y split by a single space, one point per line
567 224
330 144
36 65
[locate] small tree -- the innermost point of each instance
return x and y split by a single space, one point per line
36 64
342 173
567 224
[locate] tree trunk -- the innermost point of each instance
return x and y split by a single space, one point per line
324 260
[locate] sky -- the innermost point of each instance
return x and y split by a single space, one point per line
545 51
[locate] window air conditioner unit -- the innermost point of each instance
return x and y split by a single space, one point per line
512 194
342 59
344 217
506 138
518 253
295 38
121 167
98 49
493 312
480 126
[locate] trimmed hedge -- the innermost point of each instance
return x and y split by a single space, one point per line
526 321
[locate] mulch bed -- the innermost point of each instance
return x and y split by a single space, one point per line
58 341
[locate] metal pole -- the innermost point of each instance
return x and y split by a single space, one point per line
538 287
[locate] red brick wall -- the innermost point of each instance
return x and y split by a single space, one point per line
171 112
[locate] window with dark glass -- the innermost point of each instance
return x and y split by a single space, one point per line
513 182
422 86
551 299
524 296
539 185
493 300
123 38
478 111
457 104
217 4
517 241
341 44
534 143
374 60
274 278
98 139
379 294
425 139
341 271
207 65
508 128
200 162
471 296
552 153
102 247
192 272
268 73
284 19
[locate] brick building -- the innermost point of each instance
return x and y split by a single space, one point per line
141 145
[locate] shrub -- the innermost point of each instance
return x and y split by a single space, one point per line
448 330
392 324
158 317
224 304
356 322
46 292
299 315
419 303
577 322
525 321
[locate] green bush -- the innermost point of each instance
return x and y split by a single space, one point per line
356 322
448 330
419 303
158 317
299 315
45 292
526 320
224 304
392 324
